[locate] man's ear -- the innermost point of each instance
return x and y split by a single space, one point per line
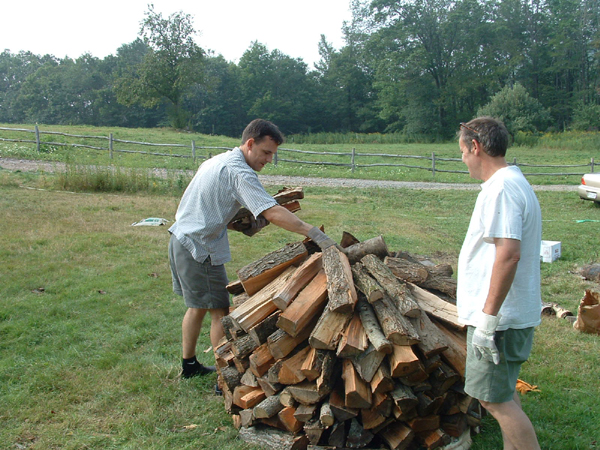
476 146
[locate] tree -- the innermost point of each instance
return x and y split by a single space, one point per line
172 64
517 109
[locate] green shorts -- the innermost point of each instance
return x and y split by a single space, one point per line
202 285
493 383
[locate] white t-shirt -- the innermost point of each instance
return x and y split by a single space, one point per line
506 207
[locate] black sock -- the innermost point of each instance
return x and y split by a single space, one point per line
190 361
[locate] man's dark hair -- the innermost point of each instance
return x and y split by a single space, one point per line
260 129
490 132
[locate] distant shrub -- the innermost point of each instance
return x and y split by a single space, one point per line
586 118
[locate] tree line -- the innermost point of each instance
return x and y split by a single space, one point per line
417 67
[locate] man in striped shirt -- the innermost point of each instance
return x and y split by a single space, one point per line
199 246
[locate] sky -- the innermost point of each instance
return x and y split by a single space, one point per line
228 27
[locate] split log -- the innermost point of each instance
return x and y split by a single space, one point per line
229 329
262 330
397 436
268 388
422 276
372 327
261 360
367 363
374 246
454 425
340 285
432 340
354 339
305 273
405 398
357 391
394 325
397 291
282 344
304 413
329 328
435 306
338 406
348 240
268 407
554 309
247 397
382 380
261 272
247 418
358 436
243 346
313 364
231 377
286 417
235 287
325 380
434 439
337 436
305 393
314 430
371 418
260 306
240 299
456 353
290 372
249 379
310 303
427 423
223 355
403 361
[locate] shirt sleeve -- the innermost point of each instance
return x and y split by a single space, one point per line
251 193
502 216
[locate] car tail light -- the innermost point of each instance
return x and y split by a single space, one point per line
582 180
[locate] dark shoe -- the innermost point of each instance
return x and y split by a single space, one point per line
194 370
218 391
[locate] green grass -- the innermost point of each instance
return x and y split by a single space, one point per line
551 149
90 329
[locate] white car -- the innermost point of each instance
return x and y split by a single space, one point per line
589 189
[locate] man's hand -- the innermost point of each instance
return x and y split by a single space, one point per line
255 225
483 338
321 239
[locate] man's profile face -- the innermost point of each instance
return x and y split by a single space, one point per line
260 153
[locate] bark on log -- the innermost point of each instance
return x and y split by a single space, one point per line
372 327
304 413
366 284
388 281
325 415
398 436
305 273
283 197
305 393
261 272
367 363
340 285
374 246
262 330
269 388
382 380
358 436
314 430
273 439
329 328
313 364
268 407
243 346
396 328
433 341
426 277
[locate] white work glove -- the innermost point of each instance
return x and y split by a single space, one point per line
255 225
320 238
483 338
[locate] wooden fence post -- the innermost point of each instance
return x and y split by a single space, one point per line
592 164
37 138
353 158
275 160
110 145
433 164
194 151
515 161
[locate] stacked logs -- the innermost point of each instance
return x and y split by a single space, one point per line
353 349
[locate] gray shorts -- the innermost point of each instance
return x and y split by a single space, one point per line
493 383
202 285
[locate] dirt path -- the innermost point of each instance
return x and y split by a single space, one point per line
46 166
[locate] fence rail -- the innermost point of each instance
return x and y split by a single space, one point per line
352 163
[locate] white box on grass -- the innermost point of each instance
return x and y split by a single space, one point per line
550 251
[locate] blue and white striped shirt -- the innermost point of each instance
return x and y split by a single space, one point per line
221 186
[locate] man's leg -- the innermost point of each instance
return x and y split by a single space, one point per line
190 330
517 430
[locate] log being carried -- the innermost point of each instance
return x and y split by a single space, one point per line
356 356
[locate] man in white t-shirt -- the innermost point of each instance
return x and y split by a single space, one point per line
498 292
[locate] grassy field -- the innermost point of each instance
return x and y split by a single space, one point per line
90 329
552 150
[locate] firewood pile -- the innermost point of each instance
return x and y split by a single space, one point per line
353 349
